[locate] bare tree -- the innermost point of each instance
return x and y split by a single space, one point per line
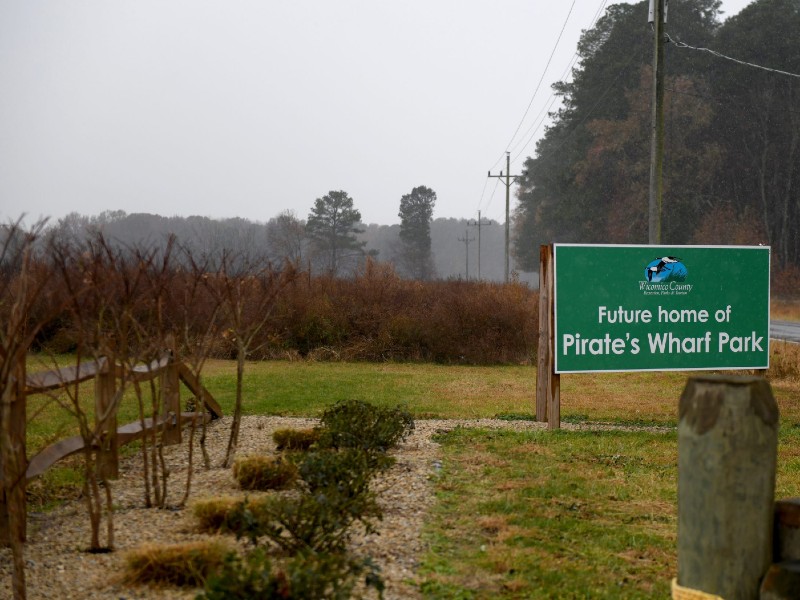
247 290
286 237
24 286
195 315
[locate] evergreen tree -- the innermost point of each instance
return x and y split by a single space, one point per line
416 212
758 125
331 228
588 181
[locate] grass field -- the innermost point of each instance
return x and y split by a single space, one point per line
518 515
430 391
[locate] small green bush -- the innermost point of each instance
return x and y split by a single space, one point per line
323 577
347 470
245 578
358 424
329 576
295 439
264 473
335 494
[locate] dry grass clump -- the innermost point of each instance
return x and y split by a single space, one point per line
188 564
784 363
295 439
218 514
264 473
785 309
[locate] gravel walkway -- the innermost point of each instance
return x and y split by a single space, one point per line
59 568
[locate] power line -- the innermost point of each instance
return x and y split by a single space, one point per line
466 239
508 183
544 72
722 99
542 112
537 123
533 134
494 191
599 100
679 44
538 85
479 223
483 192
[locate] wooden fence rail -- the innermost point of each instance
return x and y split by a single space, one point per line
107 375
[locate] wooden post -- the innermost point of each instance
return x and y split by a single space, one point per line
548 383
171 397
104 391
727 453
782 581
787 529
542 352
13 459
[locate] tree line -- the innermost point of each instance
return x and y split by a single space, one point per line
732 135
414 250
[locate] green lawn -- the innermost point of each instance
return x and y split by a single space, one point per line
561 514
430 391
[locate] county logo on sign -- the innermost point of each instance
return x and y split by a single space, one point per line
665 276
666 268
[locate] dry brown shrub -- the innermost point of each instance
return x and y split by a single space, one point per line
295 439
185 564
374 316
264 473
784 362
784 310
220 514
211 513
786 283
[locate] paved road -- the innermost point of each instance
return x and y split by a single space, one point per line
785 330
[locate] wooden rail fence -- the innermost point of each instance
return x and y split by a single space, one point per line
106 374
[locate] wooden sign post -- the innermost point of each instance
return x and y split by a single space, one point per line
548 382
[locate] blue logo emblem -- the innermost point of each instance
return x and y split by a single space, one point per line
666 268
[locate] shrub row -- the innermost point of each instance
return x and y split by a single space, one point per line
307 527
374 316
378 316
311 524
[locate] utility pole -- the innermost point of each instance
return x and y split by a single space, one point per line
507 183
466 239
658 16
478 224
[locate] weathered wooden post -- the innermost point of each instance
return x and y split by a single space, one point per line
782 581
105 414
787 529
548 382
727 453
13 459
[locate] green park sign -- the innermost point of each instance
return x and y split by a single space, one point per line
657 308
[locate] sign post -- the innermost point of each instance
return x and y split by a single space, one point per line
548 382
652 308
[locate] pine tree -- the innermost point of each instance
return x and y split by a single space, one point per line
416 212
331 227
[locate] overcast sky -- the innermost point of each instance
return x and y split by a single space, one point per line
248 108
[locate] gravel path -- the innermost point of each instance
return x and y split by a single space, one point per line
59 568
